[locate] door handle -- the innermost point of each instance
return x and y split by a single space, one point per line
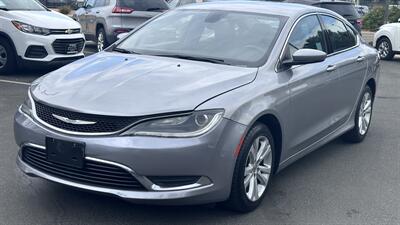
360 58
97 12
331 68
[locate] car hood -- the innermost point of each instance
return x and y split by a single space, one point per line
46 19
132 85
390 25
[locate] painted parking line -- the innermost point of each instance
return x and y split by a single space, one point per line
14 82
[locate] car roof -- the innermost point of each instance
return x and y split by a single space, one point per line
264 7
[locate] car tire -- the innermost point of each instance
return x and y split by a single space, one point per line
7 57
385 50
362 118
101 39
240 199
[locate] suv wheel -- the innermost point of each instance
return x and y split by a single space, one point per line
7 57
101 40
253 169
385 50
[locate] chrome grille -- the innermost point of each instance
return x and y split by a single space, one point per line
104 124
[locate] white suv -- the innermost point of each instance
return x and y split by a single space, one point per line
31 33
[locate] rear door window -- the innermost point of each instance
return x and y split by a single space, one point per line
339 36
144 5
100 3
307 34
90 3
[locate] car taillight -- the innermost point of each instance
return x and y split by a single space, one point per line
122 10
359 22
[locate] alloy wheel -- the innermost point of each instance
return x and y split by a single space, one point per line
3 57
100 42
365 113
383 49
258 168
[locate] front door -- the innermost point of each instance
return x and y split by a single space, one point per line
311 88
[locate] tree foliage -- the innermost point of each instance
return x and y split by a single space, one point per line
375 18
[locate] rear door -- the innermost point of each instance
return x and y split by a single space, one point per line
83 18
139 11
350 64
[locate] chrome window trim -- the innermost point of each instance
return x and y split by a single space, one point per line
147 183
322 27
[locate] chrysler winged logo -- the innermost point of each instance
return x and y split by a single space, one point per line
71 121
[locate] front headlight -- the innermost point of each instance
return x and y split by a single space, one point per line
27 106
191 125
27 28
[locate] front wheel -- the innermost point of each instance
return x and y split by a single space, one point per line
362 119
101 40
253 170
7 57
385 50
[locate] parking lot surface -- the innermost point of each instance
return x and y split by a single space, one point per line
337 184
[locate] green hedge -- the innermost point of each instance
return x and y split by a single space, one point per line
375 18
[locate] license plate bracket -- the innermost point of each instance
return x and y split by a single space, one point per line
72 49
65 152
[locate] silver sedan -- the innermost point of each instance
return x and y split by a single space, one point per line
202 104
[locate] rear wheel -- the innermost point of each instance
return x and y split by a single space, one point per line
253 170
385 50
7 57
362 119
101 39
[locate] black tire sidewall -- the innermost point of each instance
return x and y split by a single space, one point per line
238 195
10 64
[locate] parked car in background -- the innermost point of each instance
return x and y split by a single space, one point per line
177 3
31 33
103 20
203 104
343 8
362 9
387 40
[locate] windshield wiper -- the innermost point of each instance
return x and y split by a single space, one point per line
4 9
195 58
121 50
154 9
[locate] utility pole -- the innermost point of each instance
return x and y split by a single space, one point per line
386 7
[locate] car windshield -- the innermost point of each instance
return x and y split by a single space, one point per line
225 37
26 5
345 10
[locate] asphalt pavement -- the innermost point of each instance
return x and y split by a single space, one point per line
338 184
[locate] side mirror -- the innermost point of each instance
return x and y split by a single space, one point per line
122 35
398 20
305 56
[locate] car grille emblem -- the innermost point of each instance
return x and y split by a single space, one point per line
71 121
69 31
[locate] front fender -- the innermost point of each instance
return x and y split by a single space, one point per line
388 32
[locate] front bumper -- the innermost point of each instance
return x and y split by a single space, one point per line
23 41
210 156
